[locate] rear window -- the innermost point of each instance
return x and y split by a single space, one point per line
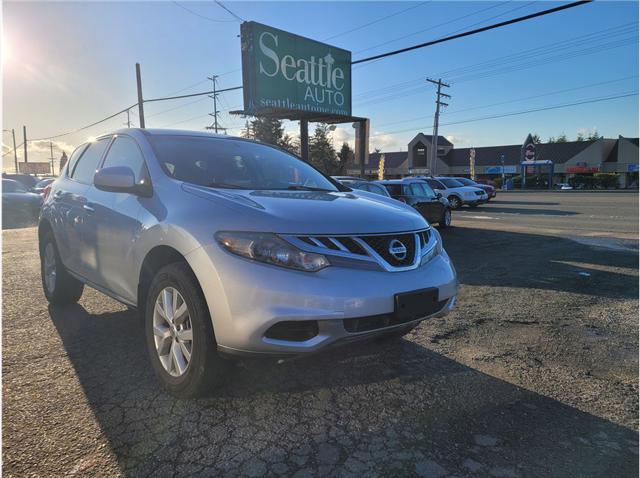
451 183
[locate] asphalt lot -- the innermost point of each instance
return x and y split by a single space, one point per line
534 374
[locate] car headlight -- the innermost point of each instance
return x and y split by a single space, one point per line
271 249
435 250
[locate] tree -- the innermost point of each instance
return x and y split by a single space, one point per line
344 156
562 138
580 137
535 137
268 130
593 135
551 140
321 152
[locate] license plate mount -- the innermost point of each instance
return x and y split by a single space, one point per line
416 304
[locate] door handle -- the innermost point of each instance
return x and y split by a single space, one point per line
86 207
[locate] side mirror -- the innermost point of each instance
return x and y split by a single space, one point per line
120 179
438 195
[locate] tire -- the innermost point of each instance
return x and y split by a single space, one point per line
60 287
188 368
455 202
446 219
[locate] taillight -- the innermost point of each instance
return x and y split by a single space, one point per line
45 192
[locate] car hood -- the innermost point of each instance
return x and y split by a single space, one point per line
311 212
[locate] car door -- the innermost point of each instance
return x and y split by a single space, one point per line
420 201
433 204
69 205
113 225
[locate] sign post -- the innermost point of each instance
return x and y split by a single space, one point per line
502 170
472 163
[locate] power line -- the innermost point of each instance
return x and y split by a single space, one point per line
386 17
515 113
84 127
202 16
432 27
192 94
237 17
476 31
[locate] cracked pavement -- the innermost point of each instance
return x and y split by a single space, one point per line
534 374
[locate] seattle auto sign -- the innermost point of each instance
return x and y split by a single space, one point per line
289 73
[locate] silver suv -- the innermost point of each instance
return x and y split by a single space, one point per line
229 247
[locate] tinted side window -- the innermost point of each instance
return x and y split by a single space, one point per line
435 184
88 162
394 189
74 158
416 190
125 152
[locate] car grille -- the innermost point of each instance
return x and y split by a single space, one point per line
374 247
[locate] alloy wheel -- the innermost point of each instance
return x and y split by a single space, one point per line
172 331
455 202
50 267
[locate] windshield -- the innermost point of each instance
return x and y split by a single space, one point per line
451 183
466 182
234 164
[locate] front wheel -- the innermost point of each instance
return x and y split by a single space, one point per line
60 287
455 202
446 219
179 333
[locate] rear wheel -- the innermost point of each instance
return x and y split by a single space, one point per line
60 287
455 202
446 219
179 333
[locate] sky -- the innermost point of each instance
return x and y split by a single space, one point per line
68 64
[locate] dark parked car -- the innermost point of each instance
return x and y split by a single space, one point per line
19 206
490 190
26 180
417 193
365 186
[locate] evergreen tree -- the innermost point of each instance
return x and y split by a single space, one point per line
562 138
321 152
270 131
536 138
344 156
594 135
580 137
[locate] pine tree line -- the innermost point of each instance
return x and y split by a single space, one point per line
322 154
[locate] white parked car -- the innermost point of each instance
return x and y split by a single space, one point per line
457 193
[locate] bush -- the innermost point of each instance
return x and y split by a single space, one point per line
595 181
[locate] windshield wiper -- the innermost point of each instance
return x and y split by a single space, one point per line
224 185
299 187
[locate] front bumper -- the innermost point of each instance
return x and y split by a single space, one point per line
247 298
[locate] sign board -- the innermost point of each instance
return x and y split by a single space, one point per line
528 152
581 169
472 163
34 168
283 71
499 169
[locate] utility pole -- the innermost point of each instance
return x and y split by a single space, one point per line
24 137
51 149
436 119
15 151
140 100
128 119
214 126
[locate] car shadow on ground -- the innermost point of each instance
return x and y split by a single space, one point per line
394 408
512 259
524 203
